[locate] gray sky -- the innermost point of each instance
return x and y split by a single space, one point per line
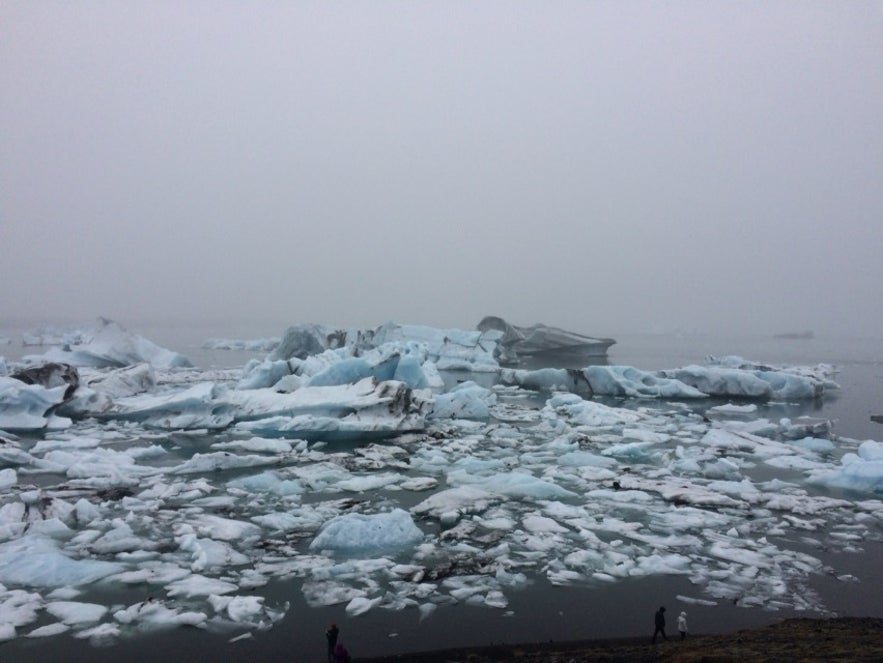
604 167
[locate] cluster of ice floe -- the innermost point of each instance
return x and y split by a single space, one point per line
198 493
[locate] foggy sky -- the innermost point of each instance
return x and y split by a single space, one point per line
599 166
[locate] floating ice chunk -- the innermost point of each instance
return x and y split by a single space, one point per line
861 472
636 452
8 478
223 529
248 345
718 381
547 379
114 347
199 585
585 459
36 561
200 406
152 572
268 482
786 382
538 524
119 539
49 630
262 374
101 635
448 505
694 601
465 401
210 554
122 382
74 613
366 408
100 467
151 615
633 382
359 605
871 450
353 369
18 607
373 481
239 609
587 413
731 411
29 406
221 460
355 533
257 445
517 485
449 349
419 483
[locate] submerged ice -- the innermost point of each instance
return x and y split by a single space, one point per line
345 465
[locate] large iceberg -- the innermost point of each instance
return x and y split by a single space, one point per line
689 382
368 407
542 343
113 347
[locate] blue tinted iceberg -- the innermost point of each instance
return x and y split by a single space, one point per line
358 534
861 471
30 406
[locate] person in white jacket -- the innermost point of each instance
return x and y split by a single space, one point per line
682 624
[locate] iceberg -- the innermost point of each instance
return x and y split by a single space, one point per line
29 407
358 534
35 561
860 472
541 343
465 401
635 383
248 345
367 407
113 347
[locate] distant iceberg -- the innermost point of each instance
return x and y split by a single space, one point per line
543 344
113 347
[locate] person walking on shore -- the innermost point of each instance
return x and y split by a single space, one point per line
331 635
659 620
682 624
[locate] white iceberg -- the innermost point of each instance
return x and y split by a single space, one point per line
113 347
30 406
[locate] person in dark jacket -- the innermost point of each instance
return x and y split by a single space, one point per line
331 636
660 624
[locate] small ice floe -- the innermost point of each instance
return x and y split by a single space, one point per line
199 585
75 613
47 631
694 601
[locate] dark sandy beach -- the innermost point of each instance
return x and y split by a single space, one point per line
840 639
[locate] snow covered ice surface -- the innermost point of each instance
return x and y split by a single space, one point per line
353 474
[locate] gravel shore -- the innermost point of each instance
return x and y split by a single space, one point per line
841 639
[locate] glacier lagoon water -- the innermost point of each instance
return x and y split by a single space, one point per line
537 609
